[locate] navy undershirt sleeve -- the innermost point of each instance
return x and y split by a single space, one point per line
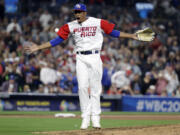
56 41
115 33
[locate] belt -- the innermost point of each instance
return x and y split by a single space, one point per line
87 52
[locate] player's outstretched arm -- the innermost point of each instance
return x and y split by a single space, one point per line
127 35
34 47
118 34
145 34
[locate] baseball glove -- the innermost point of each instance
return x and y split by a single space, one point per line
145 35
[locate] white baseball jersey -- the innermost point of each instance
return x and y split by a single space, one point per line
88 35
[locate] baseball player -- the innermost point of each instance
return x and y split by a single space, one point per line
88 36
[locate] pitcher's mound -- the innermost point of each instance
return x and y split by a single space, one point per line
147 130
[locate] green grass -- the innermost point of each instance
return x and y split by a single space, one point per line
78 113
25 126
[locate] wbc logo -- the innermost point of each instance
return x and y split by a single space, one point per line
78 6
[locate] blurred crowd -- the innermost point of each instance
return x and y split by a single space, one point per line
130 67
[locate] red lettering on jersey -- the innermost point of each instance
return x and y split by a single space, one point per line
94 29
90 28
86 31
83 28
89 33
83 34
87 28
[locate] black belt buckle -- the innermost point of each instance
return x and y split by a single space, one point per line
96 51
87 52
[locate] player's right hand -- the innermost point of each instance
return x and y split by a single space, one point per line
32 48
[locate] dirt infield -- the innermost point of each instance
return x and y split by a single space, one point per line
146 130
150 130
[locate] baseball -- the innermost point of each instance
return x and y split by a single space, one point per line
56 29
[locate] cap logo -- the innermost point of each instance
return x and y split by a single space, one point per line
78 6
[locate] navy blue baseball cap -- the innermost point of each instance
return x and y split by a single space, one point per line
80 7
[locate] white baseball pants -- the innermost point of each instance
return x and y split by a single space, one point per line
89 75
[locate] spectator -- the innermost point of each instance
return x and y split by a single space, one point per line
14 26
177 69
106 78
26 89
147 81
135 68
161 84
121 79
136 84
75 85
113 90
10 85
172 79
151 90
65 82
177 92
45 18
40 90
47 74
126 90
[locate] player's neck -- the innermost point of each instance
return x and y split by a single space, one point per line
83 19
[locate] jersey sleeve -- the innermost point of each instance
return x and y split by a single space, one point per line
64 32
107 26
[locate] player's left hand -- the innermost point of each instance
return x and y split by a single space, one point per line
145 34
135 37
